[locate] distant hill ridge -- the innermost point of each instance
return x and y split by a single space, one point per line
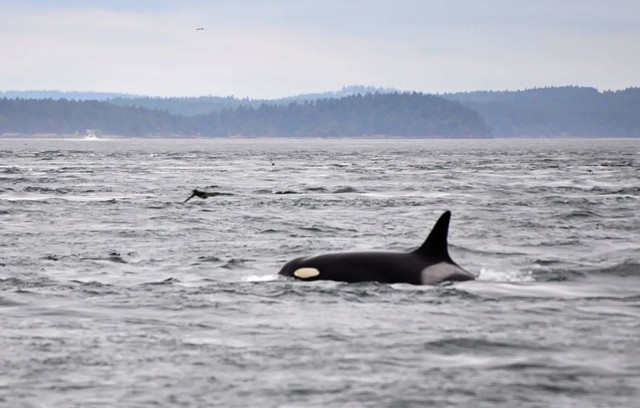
569 111
391 114
70 95
557 111
101 96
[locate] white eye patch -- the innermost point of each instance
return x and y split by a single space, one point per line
306 273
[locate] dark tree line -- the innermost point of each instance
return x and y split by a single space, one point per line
202 105
33 116
353 111
406 114
185 106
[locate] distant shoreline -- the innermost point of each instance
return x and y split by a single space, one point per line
298 138
554 112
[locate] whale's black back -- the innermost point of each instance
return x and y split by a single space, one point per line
428 264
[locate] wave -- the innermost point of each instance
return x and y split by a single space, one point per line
21 284
112 256
557 275
485 252
10 170
455 345
553 271
207 259
316 190
346 190
578 214
164 282
46 190
235 263
559 271
320 190
624 269
326 229
8 303
39 197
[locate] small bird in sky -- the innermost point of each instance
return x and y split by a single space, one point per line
200 29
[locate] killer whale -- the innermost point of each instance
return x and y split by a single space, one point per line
430 264
204 195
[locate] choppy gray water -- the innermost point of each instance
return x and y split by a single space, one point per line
113 293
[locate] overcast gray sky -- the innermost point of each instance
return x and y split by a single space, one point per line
284 47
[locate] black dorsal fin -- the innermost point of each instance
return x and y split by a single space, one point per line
436 245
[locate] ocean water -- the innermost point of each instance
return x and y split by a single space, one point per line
115 293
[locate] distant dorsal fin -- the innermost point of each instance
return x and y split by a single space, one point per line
436 245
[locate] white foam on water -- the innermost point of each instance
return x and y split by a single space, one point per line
487 274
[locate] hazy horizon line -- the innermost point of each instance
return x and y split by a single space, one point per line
343 89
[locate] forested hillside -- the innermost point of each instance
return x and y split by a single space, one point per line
187 106
64 117
557 112
413 115
353 111
202 105
407 114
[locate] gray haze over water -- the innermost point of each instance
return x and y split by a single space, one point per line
113 293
